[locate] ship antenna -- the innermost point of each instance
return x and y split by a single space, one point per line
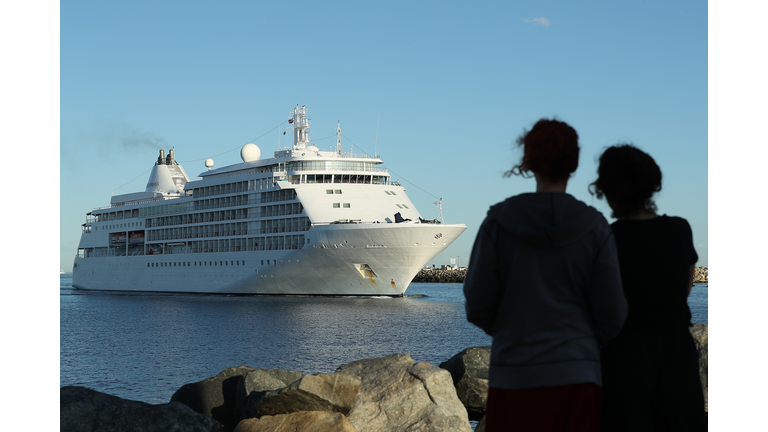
439 203
338 137
377 136
300 125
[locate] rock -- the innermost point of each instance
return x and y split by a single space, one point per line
257 383
216 396
305 421
85 410
701 338
701 275
334 392
442 276
399 394
469 370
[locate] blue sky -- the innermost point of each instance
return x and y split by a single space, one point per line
451 84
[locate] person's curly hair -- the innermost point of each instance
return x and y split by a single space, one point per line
550 149
627 177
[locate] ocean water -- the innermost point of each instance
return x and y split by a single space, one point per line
145 346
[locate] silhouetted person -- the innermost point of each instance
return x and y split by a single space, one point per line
544 282
650 371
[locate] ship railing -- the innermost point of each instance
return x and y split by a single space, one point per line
193 221
145 201
343 181
227 233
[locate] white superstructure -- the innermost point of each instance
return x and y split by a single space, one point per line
305 222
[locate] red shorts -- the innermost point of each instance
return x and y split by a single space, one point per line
571 408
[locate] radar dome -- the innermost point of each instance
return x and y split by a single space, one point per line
250 153
209 163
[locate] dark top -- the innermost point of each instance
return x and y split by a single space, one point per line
544 281
655 256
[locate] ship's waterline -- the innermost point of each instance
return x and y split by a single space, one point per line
306 222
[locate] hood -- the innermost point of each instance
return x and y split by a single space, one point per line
548 220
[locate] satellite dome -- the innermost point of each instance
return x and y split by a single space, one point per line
209 163
250 153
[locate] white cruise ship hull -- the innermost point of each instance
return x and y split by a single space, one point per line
342 260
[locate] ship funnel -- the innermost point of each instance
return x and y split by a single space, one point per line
167 177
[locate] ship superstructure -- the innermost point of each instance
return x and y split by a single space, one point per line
305 222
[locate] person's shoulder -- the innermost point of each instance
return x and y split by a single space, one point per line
676 221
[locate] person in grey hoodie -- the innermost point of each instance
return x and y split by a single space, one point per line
544 282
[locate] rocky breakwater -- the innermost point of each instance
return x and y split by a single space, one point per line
442 276
701 275
392 393
387 394
457 276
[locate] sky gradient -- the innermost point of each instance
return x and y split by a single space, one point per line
449 86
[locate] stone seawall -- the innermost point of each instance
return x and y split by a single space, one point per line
457 276
701 275
441 276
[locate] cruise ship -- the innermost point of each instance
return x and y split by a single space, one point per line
304 222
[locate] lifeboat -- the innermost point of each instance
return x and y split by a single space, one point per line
137 237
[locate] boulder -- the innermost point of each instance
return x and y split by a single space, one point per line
85 410
305 421
215 396
257 383
334 392
701 338
398 394
469 370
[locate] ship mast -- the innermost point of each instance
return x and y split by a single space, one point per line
300 125
338 138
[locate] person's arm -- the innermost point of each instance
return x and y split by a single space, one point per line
609 306
481 284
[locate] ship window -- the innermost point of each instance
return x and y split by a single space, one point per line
337 191
399 206
336 205
147 264
329 191
405 206
346 205
262 262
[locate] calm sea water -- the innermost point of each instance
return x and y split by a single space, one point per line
145 346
